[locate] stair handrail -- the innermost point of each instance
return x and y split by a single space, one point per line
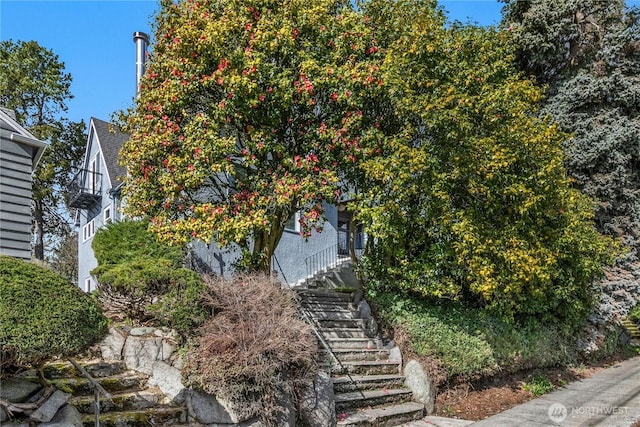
321 259
314 326
284 277
97 389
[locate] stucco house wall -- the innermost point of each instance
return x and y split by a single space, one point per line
288 262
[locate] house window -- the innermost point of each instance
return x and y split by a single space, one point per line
293 224
88 284
107 214
88 230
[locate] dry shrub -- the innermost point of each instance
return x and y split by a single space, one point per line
254 349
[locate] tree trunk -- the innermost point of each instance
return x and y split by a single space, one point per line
265 246
38 221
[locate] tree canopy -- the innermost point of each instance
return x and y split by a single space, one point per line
593 94
472 201
251 111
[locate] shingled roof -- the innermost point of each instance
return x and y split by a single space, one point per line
111 140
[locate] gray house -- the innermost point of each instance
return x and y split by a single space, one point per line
20 152
96 192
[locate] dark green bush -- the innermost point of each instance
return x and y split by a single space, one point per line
42 315
141 278
467 343
125 240
634 315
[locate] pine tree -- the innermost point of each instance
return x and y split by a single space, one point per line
588 53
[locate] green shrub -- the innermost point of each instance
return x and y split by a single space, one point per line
125 240
634 315
142 278
42 315
467 342
254 348
145 289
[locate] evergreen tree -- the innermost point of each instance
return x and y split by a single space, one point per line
588 53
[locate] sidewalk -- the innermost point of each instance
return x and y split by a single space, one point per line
609 398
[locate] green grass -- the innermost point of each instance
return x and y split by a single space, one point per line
468 343
538 385
634 315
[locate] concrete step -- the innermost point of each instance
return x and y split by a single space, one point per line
342 332
324 295
354 355
382 417
323 301
130 401
349 383
321 315
130 380
328 305
340 323
362 343
367 367
160 417
96 368
630 326
351 401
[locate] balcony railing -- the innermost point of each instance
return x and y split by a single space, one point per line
85 190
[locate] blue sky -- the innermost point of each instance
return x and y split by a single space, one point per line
94 40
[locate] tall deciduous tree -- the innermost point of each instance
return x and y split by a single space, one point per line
249 111
471 200
594 94
34 84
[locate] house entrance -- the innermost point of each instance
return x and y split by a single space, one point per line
344 223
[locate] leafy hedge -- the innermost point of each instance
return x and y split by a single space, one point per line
42 315
142 277
125 240
467 343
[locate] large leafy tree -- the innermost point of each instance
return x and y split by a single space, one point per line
471 200
249 111
34 84
594 94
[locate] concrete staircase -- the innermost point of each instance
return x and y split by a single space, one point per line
132 403
368 385
630 326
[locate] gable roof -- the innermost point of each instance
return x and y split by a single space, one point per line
12 130
111 140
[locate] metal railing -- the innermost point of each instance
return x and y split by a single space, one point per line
85 189
97 390
333 359
327 257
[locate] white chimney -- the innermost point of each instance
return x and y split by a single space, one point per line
142 41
